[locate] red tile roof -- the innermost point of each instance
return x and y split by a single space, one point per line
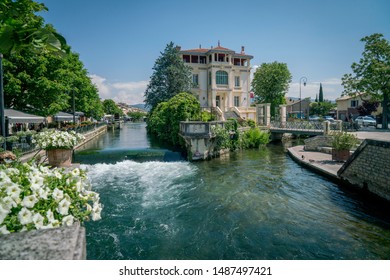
219 48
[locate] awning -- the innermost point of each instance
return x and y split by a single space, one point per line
62 117
15 116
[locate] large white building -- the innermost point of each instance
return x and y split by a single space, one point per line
221 78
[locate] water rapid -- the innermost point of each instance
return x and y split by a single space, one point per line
249 205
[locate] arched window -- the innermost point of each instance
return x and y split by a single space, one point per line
222 78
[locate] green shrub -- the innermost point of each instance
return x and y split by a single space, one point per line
207 116
253 138
164 120
344 141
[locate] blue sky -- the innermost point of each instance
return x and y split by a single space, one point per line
119 40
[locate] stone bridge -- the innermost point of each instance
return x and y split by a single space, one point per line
298 127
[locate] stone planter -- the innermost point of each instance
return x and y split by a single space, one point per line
60 157
340 155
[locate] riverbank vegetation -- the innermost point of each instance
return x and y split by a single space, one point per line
164 120
41 73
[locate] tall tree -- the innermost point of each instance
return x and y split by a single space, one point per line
270 83
111 108
41 73
372 73
321 94
170 77
316 100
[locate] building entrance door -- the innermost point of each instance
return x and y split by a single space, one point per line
218 101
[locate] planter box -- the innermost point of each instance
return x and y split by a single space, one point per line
60 157
340 155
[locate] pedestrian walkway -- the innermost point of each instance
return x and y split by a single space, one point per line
317 161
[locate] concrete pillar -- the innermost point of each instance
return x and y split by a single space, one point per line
283 114
267 114
326 127
339 125
263 112
260 114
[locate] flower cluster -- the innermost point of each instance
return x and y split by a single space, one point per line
36 197
54 139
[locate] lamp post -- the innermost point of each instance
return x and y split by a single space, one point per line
304 79
2 116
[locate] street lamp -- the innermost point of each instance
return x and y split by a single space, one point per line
2 116
304 79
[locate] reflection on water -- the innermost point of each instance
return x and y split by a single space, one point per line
249 205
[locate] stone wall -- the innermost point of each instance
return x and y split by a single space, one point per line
315 143
368 168
63 243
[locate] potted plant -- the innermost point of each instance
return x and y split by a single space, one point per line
29 134
35 197
342 143
59 145
11 142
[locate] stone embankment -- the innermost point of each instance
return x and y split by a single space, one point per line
366 169
63 243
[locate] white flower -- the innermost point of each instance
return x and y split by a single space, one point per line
13 171
8 203
57 174
57 194
68 220
63 207
3 230
38 220
43 192
25 216
13 191
29 201
50 215
96 211
75 172
3 214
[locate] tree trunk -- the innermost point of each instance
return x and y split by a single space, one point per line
385 113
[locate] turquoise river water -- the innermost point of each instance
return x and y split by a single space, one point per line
253 204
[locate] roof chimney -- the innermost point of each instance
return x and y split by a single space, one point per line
178 48
200 46
219 44
242 50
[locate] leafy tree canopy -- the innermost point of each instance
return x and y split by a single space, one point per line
170 77
371 75
164 121
321 108
111 108
20 28
36 78
270 83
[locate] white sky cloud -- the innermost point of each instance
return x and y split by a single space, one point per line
126 92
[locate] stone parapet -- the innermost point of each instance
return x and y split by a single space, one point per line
368 168
63 243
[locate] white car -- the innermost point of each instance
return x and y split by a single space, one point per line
365 121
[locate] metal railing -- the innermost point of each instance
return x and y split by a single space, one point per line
297 125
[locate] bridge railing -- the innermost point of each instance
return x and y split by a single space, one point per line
298 125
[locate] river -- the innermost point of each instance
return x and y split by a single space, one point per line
252 204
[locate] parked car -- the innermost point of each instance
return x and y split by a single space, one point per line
365 121
329 118
314 118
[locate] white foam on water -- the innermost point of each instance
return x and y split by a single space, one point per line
159 183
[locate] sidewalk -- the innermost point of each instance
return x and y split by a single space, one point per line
317 161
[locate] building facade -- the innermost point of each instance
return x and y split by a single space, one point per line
347 106
221 78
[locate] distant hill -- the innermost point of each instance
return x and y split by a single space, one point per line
140 106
